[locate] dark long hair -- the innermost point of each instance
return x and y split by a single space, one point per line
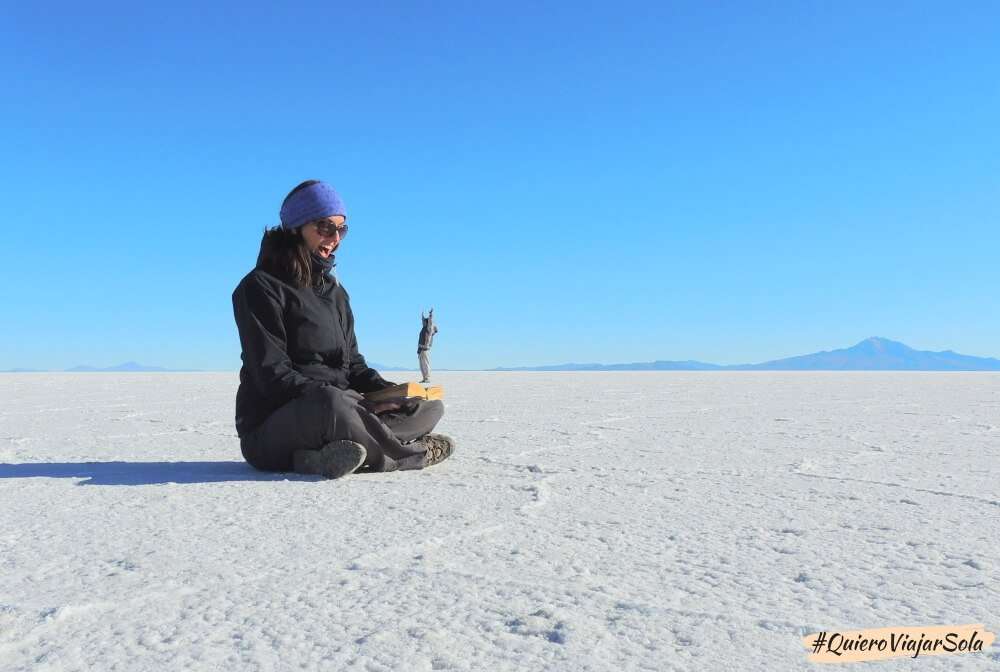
284 253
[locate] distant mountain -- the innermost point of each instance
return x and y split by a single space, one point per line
878 354
384 367
871 354
658 365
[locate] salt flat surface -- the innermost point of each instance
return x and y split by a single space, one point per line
588 521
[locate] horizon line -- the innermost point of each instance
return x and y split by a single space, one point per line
132 366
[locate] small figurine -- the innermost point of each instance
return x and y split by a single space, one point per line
427 332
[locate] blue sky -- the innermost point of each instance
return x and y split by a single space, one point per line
728 182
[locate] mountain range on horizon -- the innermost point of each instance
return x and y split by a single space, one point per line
871 354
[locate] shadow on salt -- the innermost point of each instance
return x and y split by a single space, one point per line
143 473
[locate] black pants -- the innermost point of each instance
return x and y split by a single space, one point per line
325 414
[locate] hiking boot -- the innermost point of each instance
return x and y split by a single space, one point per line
335 459
439 448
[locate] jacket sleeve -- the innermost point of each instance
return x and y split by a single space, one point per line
360 376
258 312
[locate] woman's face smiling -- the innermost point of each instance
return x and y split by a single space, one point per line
319 243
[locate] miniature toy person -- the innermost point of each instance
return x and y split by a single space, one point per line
424 343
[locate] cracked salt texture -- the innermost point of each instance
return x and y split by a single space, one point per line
588 521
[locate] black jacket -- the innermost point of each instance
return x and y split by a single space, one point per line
293 339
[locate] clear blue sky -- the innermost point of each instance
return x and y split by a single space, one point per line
728 182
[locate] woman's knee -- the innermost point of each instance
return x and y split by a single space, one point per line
433 411
421 420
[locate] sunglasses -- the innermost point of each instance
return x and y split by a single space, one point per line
328 228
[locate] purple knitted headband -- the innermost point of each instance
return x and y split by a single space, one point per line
316 201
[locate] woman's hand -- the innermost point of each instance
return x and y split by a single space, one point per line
379 407
371 406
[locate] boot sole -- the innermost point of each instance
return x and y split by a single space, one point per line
437 455
334 460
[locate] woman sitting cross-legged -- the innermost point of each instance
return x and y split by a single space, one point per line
299 406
